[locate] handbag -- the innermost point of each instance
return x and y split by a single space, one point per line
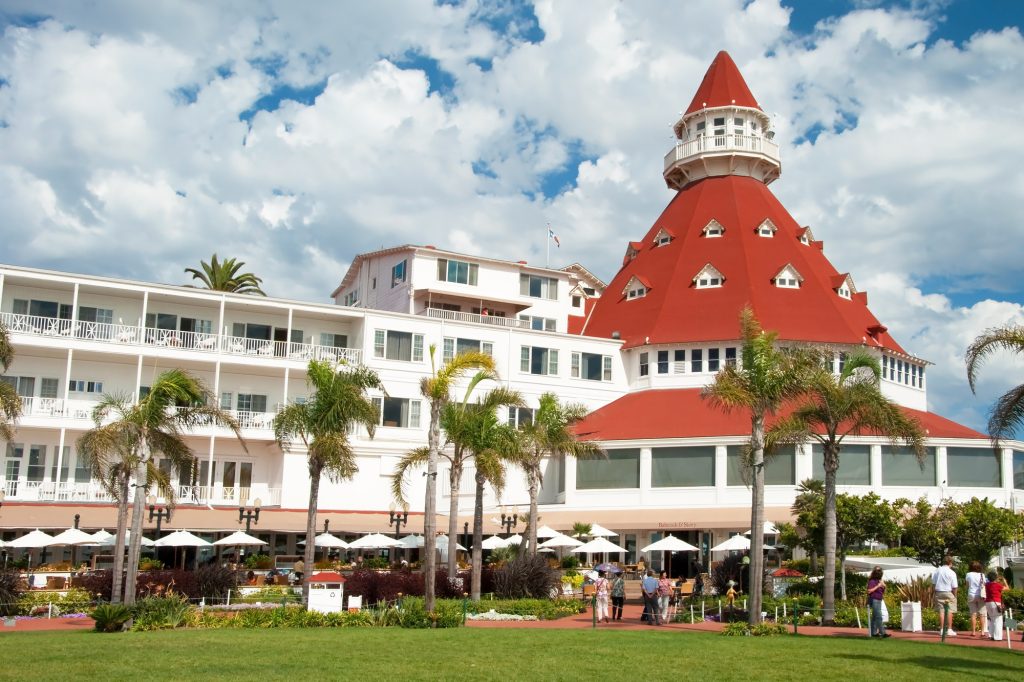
885 613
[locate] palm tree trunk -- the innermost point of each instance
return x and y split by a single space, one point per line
455 480
310 549
829 581
430 508
117 586
757 520
135 542
842 574
478 537
531 530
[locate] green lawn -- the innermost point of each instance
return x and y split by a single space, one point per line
492 654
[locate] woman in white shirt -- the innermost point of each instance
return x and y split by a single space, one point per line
976 598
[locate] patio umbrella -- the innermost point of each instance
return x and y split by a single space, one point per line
182 538
769 529
514 540
238 539
598 546
669 543
737 543
102 536
493 542
547 532
599 531
327 540
33 540
409 542
374 541
112 540
442 543
73 536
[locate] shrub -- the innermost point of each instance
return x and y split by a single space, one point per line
11 589
724 571
213 582
543 609
919 589
98 584
570 561
737 629
808 618
259 561
269 595
376 562
150 564
1014 599
161 613
75 600
111 617
525 576
768 630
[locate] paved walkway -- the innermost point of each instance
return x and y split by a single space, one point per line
631 621
30 624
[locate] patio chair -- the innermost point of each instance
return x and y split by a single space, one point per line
588 592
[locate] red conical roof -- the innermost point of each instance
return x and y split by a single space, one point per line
723 85
673 310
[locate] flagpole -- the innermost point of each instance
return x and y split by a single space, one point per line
547 246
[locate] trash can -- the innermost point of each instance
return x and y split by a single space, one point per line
911 616
326 592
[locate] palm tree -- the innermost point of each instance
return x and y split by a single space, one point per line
322 423
834 407
10 401
767 378
1008 412
225 276
127 438
437 388
550 434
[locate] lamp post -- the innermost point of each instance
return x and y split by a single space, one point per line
509 521
250 516
398 519
161 515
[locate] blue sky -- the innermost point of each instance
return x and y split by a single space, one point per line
137 138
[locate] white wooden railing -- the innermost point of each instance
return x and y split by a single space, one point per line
458 316
721 143
48 491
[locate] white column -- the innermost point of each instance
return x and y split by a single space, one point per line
804 463
74 310
721 472
1006 467
876 468
941 471
645 474
138 377
60 459
142 318
570 480
67 378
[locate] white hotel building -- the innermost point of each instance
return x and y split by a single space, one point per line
636 353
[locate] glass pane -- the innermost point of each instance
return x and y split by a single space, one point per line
900 467
778 470
678 467
36 462
1018 470
245 475
973 467
854 464
620 470
228 479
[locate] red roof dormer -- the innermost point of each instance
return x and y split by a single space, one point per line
723 86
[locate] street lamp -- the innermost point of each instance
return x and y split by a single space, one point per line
398 519
250 516
509 521
161 515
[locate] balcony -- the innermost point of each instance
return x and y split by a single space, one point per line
48 491
199 342
246 419
492 320
724 144
57 408
718 155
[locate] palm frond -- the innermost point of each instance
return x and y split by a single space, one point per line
410 460
6 348
1007 415
1009 338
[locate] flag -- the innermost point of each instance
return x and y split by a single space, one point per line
552 235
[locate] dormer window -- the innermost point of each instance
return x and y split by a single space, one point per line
788 278
663 237
843 285
766 229
637 287
632 249
713 229
805 236
709 277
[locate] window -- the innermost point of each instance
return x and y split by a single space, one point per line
639 292
697 360
1018 470
50 309
373 283
901 468
713 359
644 367
541 324
662 362
636 287
788 278
534 360
456 271
48 388
226 400
974 467
65 465
351 298
101 315
844 292
708 277
854 460
83 386
252 402
680 467
679 361
766 229
536 286
333 340
620 470
400 412
720 125
737 126
519 417
36 463
662 238
576 301
591 366
730 357
714 229
398 273
24 386
83 474
452 346
842 362
392 345
779 469
701 126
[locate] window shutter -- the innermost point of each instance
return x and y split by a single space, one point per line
606 367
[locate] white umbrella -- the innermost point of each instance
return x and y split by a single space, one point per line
493 542
598 546
33 540
545 549
442 543
112 540
769 529
547 532
181 538
560 541
238 538
597 531
73 536
374 541
736 543
409 542
514 540
327 540
102 536
670 544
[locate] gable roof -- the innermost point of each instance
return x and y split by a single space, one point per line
676 312
723 85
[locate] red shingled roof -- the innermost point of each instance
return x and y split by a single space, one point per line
675 311
681 413
326 577
722 86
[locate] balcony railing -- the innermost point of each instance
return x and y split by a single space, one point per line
203 342
721 144
458 316
48 491
57 408
246 419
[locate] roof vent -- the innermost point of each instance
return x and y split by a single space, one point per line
616 335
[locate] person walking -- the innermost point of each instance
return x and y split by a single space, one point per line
664 595
975 580
945 582
649 585
876 597
618 595
994 605
602 589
